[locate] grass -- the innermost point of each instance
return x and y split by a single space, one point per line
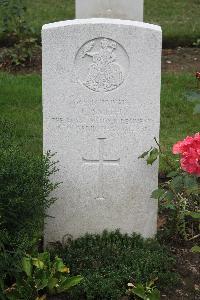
177 117
180 19
20 102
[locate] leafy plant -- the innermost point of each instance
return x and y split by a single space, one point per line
110 260
25 187
196 249
179 196
18 33
24 190
41 276
14 25
146 291
20 54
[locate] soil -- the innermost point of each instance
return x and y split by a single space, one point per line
188 267
181 60
173 60
30 67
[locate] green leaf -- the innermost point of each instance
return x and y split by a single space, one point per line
172 174
196 249
145 153
44 257
170 206
153 155
52 284
169 196
27 266
41 281
38 263
193 214
59 265
191 184
158 194
177 183
68 283
139 291
155 295
169 203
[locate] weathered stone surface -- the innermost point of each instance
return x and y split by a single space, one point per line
101 105
116 9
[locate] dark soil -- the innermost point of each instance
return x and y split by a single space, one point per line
188 266
32 66
181 60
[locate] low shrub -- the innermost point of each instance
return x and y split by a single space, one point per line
110 260
19 55
18 35
25 187
14 25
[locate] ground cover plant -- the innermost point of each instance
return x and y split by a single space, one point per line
108 262
180 19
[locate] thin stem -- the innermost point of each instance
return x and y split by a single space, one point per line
158 145
194 237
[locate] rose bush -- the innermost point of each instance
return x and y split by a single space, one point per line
179 193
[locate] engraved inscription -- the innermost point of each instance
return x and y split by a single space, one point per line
102 65
101 162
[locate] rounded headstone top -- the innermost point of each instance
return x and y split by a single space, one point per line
101 21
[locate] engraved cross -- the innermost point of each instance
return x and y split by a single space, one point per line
101 162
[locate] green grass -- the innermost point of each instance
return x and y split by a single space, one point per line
48 11
20 102
177 118
180 19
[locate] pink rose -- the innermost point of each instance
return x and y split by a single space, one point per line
189 150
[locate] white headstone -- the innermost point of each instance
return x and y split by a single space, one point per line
116 9
101 105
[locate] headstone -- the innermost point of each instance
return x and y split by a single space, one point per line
101 105
116 9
